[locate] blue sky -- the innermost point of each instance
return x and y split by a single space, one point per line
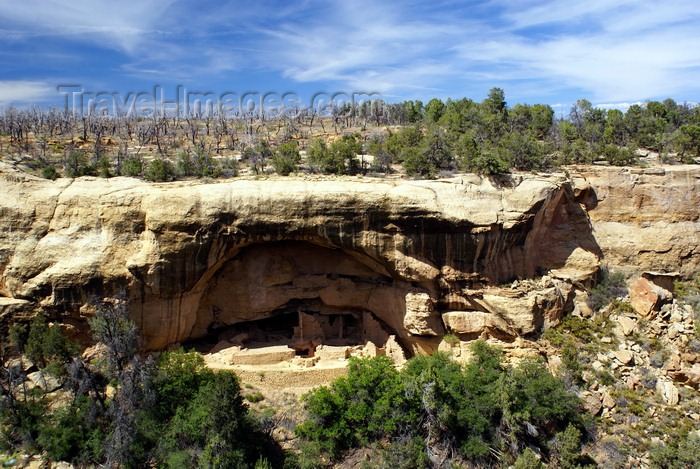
538 51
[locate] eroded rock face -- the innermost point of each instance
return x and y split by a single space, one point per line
198 256
646 296
644 218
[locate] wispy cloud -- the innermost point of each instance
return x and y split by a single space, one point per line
620 54
538 50
389 49
23 92
120 25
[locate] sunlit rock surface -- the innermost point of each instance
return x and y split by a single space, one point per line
393 255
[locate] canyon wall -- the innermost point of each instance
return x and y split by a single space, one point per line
644 218
501 256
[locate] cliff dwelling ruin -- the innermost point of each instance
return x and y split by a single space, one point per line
336 263
280 300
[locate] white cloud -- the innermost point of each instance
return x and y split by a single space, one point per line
557 11
620 106
603 50
612 59
388 50
607 50
20 92
122 25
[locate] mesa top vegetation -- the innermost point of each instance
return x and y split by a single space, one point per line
375 138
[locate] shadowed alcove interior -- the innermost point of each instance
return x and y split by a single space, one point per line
302 295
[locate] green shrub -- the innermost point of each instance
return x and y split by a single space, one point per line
367 404
159 171
683 289
465 400
605 378
680 451
68 435
469 408
185 165
254 397
216 420
180 375
629 399
618 156
104 167
397 143
229 167
132 167
450 339
286 158
205 165
18 334
689 292
21 419
46 345
415 162
567 446
49 172
528 460
533 395
405 453
76 164
263 463
622 307
309 457
337 158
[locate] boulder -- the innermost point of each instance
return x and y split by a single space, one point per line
467 322
627 325
580 301
690 377
61 465
519 312
608 401
665 280
625 357
673 363
646 296
420 318
668 392
554 364
44 381
592 402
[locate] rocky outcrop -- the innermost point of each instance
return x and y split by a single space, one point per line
408 259
646 295
196 257
644 218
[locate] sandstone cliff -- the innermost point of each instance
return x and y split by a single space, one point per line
195 257
644 218
365 258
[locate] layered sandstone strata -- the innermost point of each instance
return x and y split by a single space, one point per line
196 257
644 218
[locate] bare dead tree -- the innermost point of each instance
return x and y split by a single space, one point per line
112 326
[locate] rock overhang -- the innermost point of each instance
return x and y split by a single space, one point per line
451 240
